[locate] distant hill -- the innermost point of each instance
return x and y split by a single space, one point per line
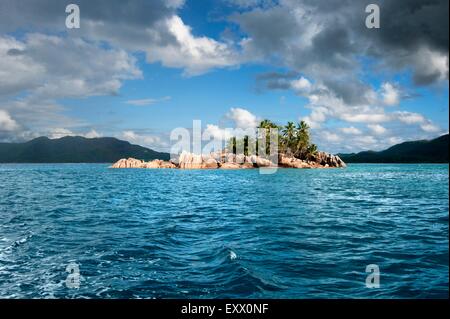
75 149
433 151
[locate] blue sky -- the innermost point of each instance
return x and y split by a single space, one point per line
137 70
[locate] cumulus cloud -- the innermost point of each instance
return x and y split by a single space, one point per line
6 122
383 126
44 69
148 140
331 137
62 132
218 133
351 130
318 42
301 85
321 42
410 117
196 55
92 134
53 67
365 118
328 103
430 127
390 94
243 118
153 27
349 103
377 129
323 38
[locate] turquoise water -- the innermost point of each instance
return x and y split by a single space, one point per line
221 234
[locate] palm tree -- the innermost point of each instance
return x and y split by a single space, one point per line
231 146
311 151
302 140
267 125
295 139
288 137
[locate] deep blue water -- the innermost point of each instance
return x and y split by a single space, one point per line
209 234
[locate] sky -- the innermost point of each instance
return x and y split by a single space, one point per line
137 69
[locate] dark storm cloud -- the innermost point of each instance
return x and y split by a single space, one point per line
352 92
51 13
409 29
323 38
127 24
275 80
269 28
406 24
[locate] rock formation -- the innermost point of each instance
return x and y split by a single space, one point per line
325 159
135 163
320 160
225 160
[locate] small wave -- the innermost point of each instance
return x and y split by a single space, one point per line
233 255
17 243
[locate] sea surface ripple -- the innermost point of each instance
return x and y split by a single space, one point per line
223 234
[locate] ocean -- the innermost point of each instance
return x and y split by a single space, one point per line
87 231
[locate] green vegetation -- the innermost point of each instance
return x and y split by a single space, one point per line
293 140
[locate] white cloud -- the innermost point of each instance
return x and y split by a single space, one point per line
331 137
377 129
44 69
92 134
325 104
430 127
7 123
301 85
145 102
384 128
395 140
415 118
152 27
147 140
242 118
196 55
410 117
17 71
390 94
366 141
351 130
365 117
60 132
55 67
218 133
317 116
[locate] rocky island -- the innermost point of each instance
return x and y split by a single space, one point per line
294 150
232 161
